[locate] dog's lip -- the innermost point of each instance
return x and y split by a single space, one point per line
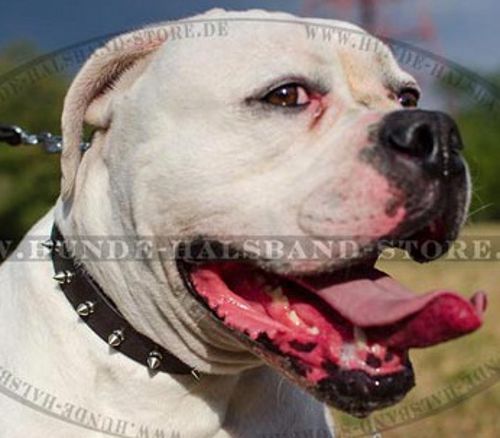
359 394
434 225
373 380
353 391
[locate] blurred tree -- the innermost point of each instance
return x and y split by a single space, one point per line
480 129
29 178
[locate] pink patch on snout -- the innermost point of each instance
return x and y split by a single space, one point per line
360 203
375 206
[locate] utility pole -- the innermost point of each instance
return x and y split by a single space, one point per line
367 14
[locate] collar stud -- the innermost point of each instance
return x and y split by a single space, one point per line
64 277
87 298
116 338
52 245
85 309
154 360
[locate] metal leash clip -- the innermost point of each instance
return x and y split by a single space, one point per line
15 136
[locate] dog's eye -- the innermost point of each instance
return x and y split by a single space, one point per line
408 97
288 95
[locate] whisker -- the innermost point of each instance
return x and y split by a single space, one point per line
477 210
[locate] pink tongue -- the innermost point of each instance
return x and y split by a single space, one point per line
404 320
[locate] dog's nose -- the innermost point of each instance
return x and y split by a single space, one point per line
431 137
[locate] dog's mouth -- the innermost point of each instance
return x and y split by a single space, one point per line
344 335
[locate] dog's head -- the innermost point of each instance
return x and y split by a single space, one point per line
252 126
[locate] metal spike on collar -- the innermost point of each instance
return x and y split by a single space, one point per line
116 338
85 309
154 360
51 245
64 277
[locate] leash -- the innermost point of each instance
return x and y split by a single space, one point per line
16 136
85 295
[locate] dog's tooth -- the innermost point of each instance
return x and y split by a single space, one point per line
294 317
278 292
376 349
359 337
277 295
313 330
348 353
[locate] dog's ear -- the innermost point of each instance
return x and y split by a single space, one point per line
109 70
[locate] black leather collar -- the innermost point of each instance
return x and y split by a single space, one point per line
102 316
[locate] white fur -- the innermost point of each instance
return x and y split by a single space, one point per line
178 153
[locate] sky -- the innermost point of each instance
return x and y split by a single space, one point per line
468 31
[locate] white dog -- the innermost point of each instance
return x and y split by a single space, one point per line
246 126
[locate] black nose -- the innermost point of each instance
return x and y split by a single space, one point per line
430 137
